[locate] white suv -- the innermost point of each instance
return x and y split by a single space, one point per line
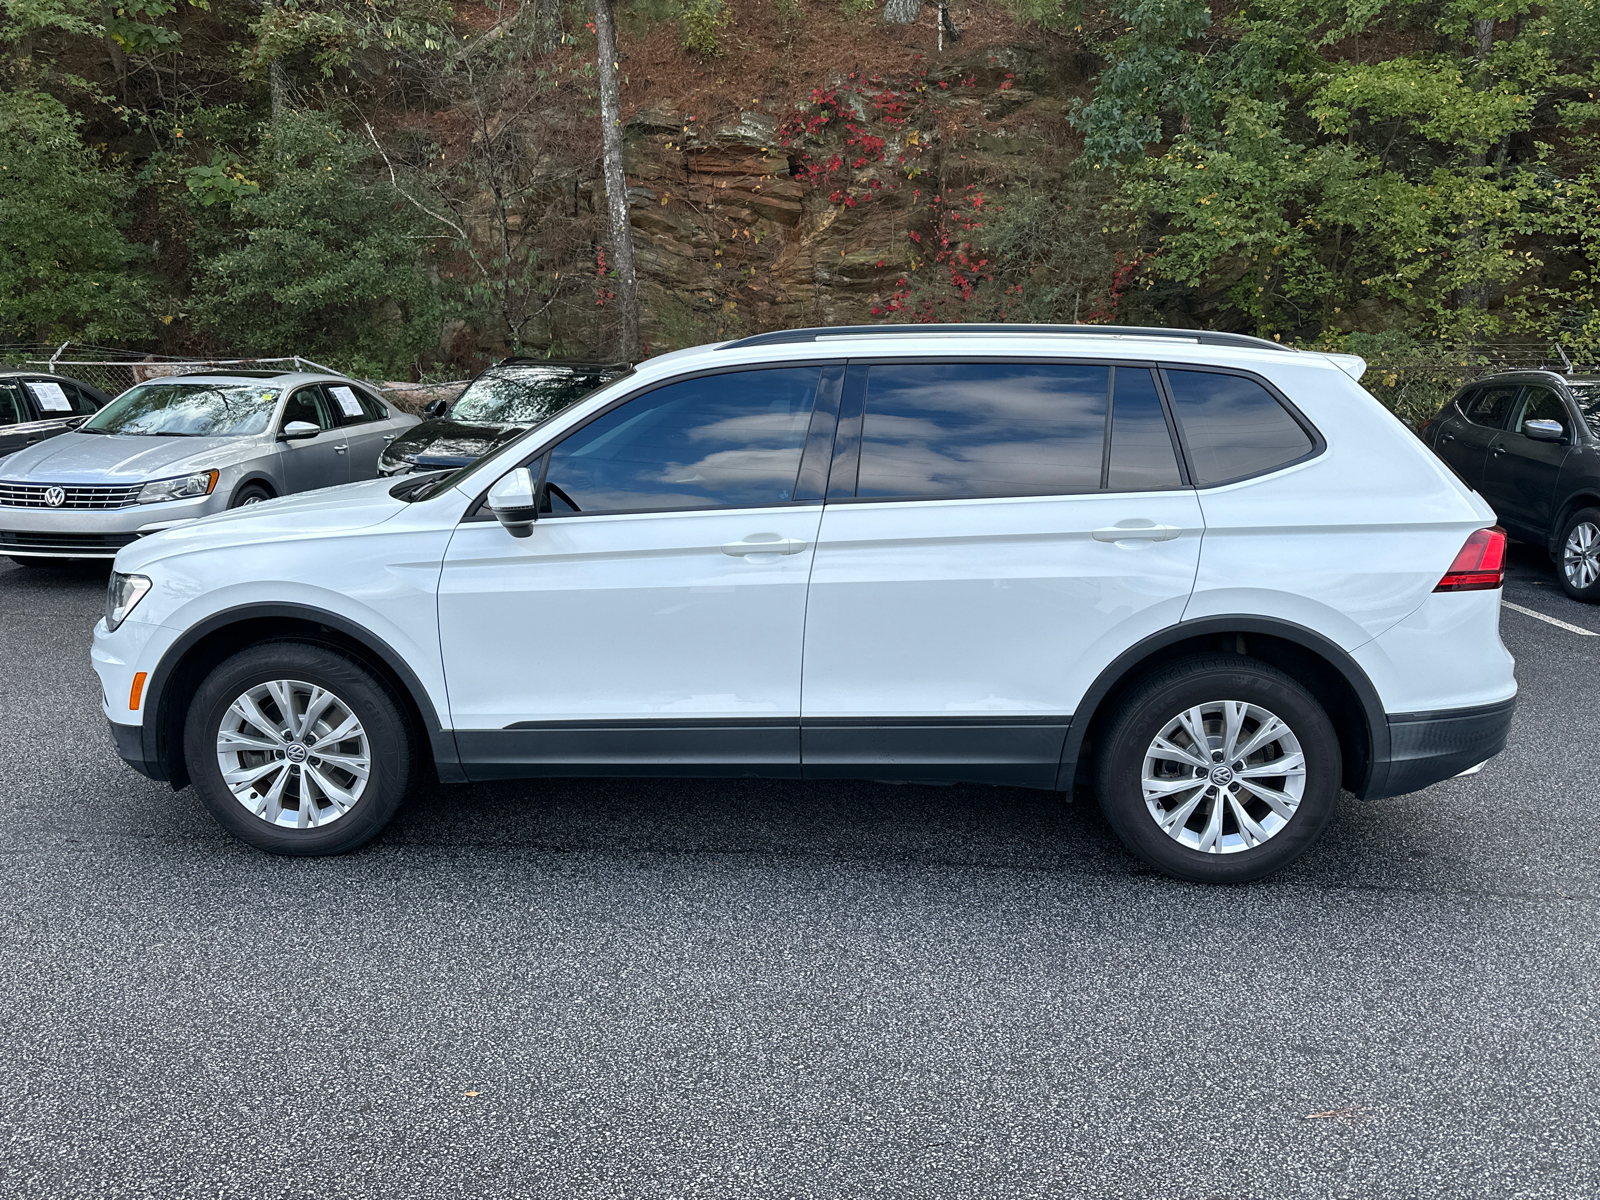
1208 576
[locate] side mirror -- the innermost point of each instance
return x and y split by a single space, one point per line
296 430
1544 431
436 409
512 502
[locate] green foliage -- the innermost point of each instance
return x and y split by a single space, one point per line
333 33
1057 15
66 268
316 260
221 181
701 24
854 8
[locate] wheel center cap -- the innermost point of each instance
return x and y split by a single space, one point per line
1221 774
296 753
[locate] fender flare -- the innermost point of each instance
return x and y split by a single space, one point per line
1308 639
153 728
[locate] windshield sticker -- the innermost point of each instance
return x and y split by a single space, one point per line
347 401
50 396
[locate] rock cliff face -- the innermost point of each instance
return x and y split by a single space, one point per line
822 215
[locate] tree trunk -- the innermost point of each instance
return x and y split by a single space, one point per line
902 12
547 24
627 304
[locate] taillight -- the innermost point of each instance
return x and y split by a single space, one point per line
1481 564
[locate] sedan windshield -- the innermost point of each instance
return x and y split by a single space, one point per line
171 409
523 395
1588 397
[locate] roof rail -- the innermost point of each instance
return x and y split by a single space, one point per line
1205 337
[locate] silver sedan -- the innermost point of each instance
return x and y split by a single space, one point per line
176 449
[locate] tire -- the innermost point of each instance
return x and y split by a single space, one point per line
250 493
295 809
1282 831
1578 556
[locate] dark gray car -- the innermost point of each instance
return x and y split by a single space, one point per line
1529 443
35 405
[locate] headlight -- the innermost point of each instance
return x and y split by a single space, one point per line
122 593
182 488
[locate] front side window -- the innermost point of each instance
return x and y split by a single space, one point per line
178 409
1233 427
1542 404
310 406
982 429
522 394
12 410
720 441
1491 406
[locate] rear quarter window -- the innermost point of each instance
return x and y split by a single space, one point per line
1233 427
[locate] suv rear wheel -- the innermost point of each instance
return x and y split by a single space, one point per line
298 749
1219 769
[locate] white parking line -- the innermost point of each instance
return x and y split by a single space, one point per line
1528 612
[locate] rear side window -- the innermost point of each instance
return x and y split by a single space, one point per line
1141 456
351 405
719 441
982 429
1233 427
1491 406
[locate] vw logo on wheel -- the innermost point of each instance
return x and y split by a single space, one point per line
296 753
55 497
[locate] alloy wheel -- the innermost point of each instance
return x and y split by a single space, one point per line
1223 777
1580 558
293 754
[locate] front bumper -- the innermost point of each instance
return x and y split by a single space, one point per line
129 741
1425 748
94 533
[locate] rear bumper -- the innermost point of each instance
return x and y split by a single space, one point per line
1425 748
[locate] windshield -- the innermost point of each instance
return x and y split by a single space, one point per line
523 395
171 409
1588 397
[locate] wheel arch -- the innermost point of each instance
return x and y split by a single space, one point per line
1334 678
205 644
257 477
1587 498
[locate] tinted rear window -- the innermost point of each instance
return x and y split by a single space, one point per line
1233 427
982 429
1142 457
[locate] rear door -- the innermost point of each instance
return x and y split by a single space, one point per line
1521 472
366 424
318 462
995 534
1464 444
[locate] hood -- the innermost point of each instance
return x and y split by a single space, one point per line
334 510
454 443
114 458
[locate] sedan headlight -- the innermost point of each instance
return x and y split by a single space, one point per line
122 593
184 487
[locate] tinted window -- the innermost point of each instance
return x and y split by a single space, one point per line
1142 456
1233 426
308 405
720 441
83 402
1588 397
983 429
12 410
346 404
1542 404
372 406
1491 406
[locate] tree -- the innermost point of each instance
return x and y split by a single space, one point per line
627 293
902 12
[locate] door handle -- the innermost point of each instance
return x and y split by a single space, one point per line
1498 450
764 544
1136 531
340 449
1447 437
389 437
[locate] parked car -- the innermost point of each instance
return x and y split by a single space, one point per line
1208 574
36 405
171 450
500 404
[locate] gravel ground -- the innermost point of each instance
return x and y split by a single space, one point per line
727 989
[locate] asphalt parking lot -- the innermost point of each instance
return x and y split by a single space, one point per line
728 989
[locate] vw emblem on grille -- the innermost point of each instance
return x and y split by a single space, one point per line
55 497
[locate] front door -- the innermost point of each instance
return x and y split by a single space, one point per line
317 462
995 534
653 618
1519 478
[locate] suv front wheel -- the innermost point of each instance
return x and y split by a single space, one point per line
1219 769
298 749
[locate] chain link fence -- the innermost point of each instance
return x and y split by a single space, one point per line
115 371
